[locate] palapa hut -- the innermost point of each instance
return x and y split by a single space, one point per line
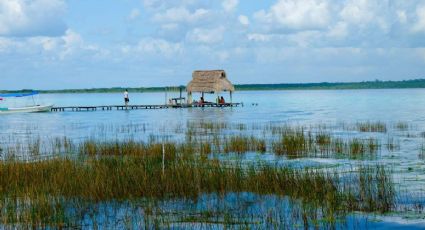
209 81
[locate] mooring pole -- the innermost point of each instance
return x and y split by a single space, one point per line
163 157
181 95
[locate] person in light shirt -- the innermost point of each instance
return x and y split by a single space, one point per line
126 98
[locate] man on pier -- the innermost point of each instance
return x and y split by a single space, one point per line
126 98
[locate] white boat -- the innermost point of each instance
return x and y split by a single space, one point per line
23 109
29 109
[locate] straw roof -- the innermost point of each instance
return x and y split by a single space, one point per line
209 81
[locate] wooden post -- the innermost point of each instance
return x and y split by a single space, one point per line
181 92
163 157
231 98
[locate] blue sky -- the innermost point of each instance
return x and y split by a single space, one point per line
55 44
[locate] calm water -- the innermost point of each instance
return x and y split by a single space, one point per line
260 107
303 107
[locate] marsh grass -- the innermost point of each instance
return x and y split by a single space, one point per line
210 137
41 194
422 151
402 126
379 127
392 144
242 144
298 143
37 192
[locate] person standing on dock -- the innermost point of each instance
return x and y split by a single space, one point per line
126 98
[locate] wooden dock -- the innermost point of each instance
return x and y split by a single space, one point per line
137 107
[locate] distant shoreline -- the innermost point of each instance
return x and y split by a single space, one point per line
417 83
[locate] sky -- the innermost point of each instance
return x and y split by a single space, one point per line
60 44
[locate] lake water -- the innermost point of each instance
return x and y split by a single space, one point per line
304 107
260 107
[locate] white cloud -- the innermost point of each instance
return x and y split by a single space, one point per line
7 44
259 37
223 55
151 3
244 20
134 14
32 18
206 36
357 12
70 45
339 30
297 14
170 26
164 4
304 38
419 26
152 46
181 15
229 5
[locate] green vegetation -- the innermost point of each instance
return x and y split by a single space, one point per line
417 83
379 127
181 182
402 126
38 193
298 143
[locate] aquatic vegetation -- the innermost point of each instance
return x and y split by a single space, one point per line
402 126
87 175
301 144
47 185
392 144
242 144
293 143
360 147
379 127
422 151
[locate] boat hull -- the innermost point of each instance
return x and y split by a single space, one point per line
30 109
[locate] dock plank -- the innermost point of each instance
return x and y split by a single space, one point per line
137 107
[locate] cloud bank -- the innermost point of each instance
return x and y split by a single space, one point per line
283 41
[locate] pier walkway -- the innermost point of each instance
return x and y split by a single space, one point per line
137 107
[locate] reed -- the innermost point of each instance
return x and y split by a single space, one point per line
392 144
402 126
298 143
56 192
243 144
379 127
422 151
293 142
126 178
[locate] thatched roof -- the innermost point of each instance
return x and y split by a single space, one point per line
209 81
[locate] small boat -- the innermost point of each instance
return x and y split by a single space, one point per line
32 108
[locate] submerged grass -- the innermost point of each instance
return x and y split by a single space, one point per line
402 126
108 178
299 143
243 144
422 151
42 193
55 192
219 137
379 127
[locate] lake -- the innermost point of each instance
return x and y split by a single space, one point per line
325 106
402 111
